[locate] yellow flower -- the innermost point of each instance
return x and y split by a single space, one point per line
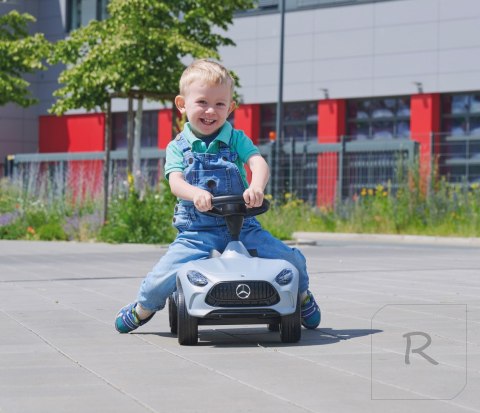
364 192
370 191
130 179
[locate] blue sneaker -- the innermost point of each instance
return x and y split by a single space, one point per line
127 319
310 312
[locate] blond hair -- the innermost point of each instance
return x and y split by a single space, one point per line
209 71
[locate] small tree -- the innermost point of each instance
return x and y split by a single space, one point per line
21 53
137 52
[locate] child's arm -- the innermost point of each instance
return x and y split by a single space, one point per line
253 195
182 189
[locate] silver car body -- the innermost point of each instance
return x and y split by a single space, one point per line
236 265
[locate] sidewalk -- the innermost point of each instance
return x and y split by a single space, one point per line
315 237
59 351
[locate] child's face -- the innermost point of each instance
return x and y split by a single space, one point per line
207 106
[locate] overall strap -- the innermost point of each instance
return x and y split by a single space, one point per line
183 145
227 151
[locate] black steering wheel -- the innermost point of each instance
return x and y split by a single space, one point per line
228 205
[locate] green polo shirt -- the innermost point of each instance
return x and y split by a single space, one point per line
240 143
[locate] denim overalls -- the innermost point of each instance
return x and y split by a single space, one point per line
198 233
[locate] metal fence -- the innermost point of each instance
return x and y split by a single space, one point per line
457 157
80 172
315 172
324 173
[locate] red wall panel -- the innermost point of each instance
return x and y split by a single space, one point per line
165 125
425 121
76 133
247 118
331 125
71 133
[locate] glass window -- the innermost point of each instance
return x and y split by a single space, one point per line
460 142
102 12
149 130
74 14
119 130
378 118
81 12
461 114
300 120
382 130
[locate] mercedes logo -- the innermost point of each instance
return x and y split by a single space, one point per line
243 291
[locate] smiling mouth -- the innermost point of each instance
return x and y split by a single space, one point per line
208 121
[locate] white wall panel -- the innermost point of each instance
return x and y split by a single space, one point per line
266 51
247 75
405 38
243 28
405 12
343 18
353 88
453 60
343 69
298 72
267 74
403 85
460 81
240 54
298 47
458 9
297 92
459 33
300 23
264 94
405 64
268 25
343 44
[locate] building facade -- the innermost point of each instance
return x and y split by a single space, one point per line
364 70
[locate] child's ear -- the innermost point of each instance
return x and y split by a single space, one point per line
232 107
180 103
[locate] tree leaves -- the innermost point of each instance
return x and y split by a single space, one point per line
20 54
139 49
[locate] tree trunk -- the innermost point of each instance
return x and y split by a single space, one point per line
137 141
106 162
130 136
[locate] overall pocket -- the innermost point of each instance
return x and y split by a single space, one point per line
215 181
182 218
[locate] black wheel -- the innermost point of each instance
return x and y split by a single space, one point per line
187 326
172 315
273 327
291 326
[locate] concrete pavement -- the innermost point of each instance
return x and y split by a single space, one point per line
400 333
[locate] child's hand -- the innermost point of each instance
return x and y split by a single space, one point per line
253 196
202 200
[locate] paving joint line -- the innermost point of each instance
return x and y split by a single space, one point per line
80 365
213 370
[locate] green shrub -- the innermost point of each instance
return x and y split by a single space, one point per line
136 217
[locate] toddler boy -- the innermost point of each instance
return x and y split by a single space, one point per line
207 159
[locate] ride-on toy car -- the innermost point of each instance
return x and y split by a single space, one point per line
235 287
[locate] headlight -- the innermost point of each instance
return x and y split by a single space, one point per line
197 278
284 277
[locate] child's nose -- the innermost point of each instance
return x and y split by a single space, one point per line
210 110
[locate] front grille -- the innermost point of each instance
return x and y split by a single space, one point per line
230 293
